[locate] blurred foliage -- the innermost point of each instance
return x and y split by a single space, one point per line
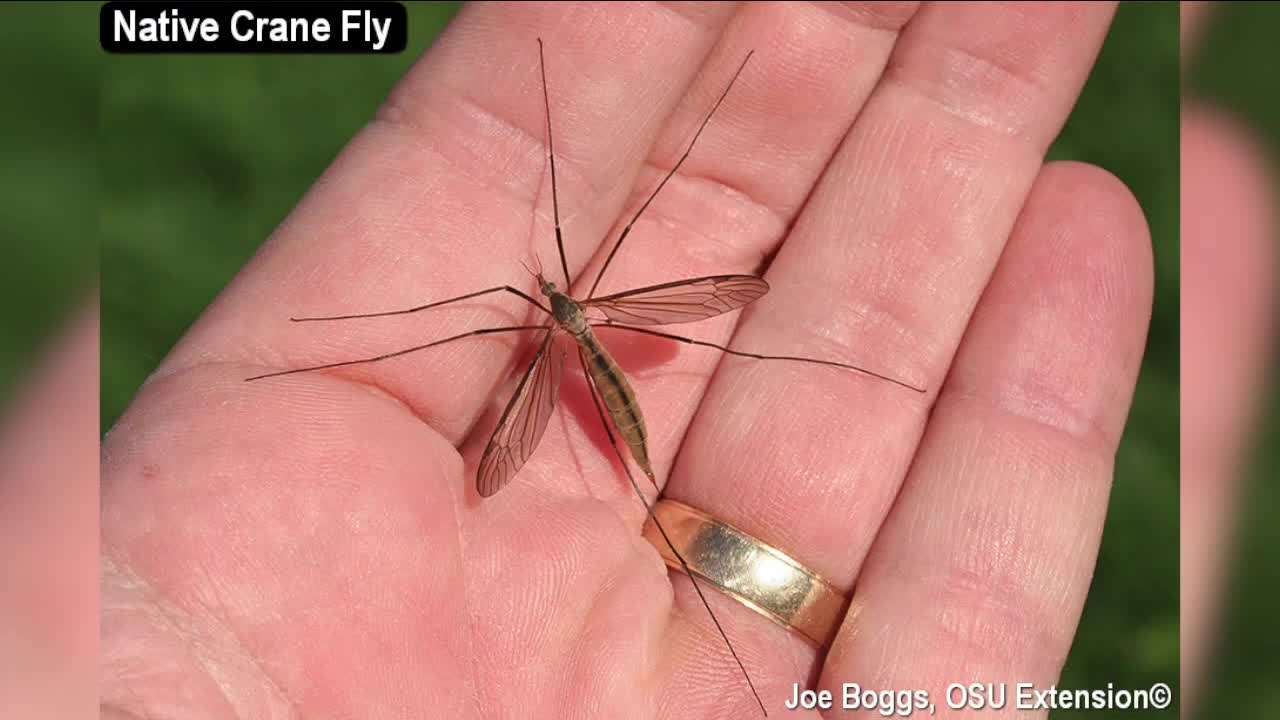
207 153
1230 71
47 177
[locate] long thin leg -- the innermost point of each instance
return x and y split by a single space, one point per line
468 296
591 388
551 150
398 353
626 230
691 341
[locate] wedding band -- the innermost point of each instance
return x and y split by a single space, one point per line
750 571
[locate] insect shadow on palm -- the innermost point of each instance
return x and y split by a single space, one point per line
525 417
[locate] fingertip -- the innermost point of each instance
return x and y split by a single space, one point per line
1104 217
1059 334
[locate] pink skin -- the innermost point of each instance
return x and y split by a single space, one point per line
1228 324
314 543
1228 307
48 528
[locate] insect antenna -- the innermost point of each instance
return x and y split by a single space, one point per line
670 173
551 151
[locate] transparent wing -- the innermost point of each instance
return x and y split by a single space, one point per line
523 421
681 301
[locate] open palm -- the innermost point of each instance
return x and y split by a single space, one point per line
314 545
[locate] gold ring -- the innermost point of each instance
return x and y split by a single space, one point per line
750 571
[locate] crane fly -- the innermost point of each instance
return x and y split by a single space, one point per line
526 414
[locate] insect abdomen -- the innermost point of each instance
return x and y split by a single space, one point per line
619 399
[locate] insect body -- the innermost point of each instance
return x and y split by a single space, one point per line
522 423
616 393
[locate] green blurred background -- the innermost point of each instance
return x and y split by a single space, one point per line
204 155
48 182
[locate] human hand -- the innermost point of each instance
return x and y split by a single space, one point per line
314 544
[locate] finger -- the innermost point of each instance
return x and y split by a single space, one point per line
882 270
982 568
435 198
1228 228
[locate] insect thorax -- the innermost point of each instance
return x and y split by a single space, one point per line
568 313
